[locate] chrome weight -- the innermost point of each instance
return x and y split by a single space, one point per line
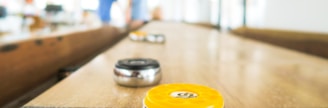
137 72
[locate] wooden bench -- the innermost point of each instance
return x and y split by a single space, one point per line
27 64
307 42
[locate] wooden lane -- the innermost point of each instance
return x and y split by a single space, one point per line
249 74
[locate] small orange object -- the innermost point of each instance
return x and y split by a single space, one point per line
140 33
29 1
183 96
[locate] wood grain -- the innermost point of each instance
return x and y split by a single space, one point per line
26 64
249 74
307 42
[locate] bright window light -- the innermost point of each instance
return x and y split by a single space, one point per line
89 4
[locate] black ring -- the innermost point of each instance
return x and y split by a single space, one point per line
137 63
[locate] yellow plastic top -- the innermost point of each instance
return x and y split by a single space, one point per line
140 33
183 96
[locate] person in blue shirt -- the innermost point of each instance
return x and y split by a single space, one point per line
138 13
104 10
136 16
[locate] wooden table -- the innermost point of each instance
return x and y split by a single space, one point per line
249 74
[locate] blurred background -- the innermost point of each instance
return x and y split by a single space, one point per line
27 24
53 15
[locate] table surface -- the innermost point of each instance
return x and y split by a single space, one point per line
249 74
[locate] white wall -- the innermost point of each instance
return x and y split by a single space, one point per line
300 15
256 12
167 7
306 15
214 12
198 11
232 13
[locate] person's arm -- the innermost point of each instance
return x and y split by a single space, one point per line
128 12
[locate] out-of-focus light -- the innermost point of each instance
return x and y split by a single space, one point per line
40 4
89 4
153 3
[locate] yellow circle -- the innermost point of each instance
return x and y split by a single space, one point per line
183 96
139 33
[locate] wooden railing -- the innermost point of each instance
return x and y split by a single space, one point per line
27 64
311 43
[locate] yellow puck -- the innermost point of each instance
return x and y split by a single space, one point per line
140 33
183 96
